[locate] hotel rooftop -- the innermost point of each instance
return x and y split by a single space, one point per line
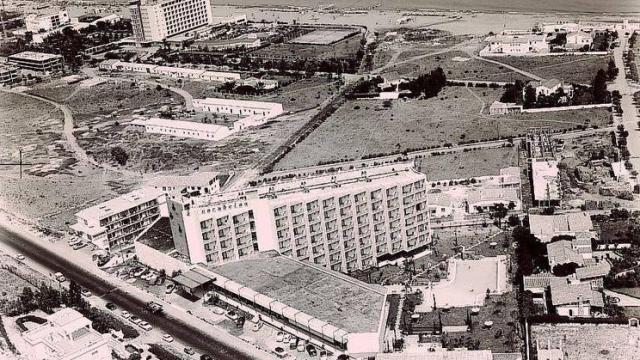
121 203
305 289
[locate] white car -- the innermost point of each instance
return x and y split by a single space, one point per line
167 338
257 326
279 336
134 319
60 277
145 325
217 310
20 257
125 314
286 339
85 293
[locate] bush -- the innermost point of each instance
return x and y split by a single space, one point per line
162 353
119 155
103 322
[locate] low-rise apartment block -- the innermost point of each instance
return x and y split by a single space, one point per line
36 61
9 74
186 129
170 71
46 22
516 44
346 221
114 224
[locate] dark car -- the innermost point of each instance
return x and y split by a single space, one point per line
206 357
311 350
189 351
111 306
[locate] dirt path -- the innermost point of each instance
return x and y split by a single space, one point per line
519 71
483 104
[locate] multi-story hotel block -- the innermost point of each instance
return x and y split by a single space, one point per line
36 61
114 224
155 20
345 221
49 21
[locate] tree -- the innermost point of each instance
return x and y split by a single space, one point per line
529 97
612 70
119 155
565 269
499 212
599 86
513 93
27 299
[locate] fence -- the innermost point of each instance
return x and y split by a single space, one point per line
565 108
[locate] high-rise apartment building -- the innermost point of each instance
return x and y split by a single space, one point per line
343 221
155 20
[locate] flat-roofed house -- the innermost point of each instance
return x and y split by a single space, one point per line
575 299
578 40
500 108
546 227
546 182
37 61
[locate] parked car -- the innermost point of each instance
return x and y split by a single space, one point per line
293 343
323 355
145 325
311 350
73 242
280 352
287 338
255 319
300 347
167 337
217 310
170 288
125 314
20 257
232 315
206 357
85 293
110 306
139 271
60 277
257 326
79 246
189 351
134 319
279 336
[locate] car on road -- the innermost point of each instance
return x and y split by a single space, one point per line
20 257
311 350
279 336
60 277
257 326
145 325
125 314
167 338
189 351
134 319
79 246
206 357
110 306
232 315
85 293
170 288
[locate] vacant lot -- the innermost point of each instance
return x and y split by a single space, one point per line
456 65
459 165
579 69
365 127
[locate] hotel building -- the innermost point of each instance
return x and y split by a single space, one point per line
345 221
155 20
41 23
114 224
36 61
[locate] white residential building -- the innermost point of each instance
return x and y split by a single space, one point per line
517 44
546 227
9 74
500 108
203 182
67 335
575 299
546 182
170 71
239 107
155 20
187 129
114 224
36 61
578 40
46 22
551 86
349 220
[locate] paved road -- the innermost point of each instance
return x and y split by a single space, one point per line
629 113
185 328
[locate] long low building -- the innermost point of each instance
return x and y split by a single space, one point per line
330 309
264 109
187 129
36 61
170 71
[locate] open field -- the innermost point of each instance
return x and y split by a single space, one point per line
579 69
461 165
456 65
343 49
365 127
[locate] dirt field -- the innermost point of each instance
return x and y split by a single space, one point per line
365 127
570 68
459 165
465 68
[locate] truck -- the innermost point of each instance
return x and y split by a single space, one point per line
153 307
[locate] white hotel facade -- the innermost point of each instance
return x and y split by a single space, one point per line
155 20
350 220
114 224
